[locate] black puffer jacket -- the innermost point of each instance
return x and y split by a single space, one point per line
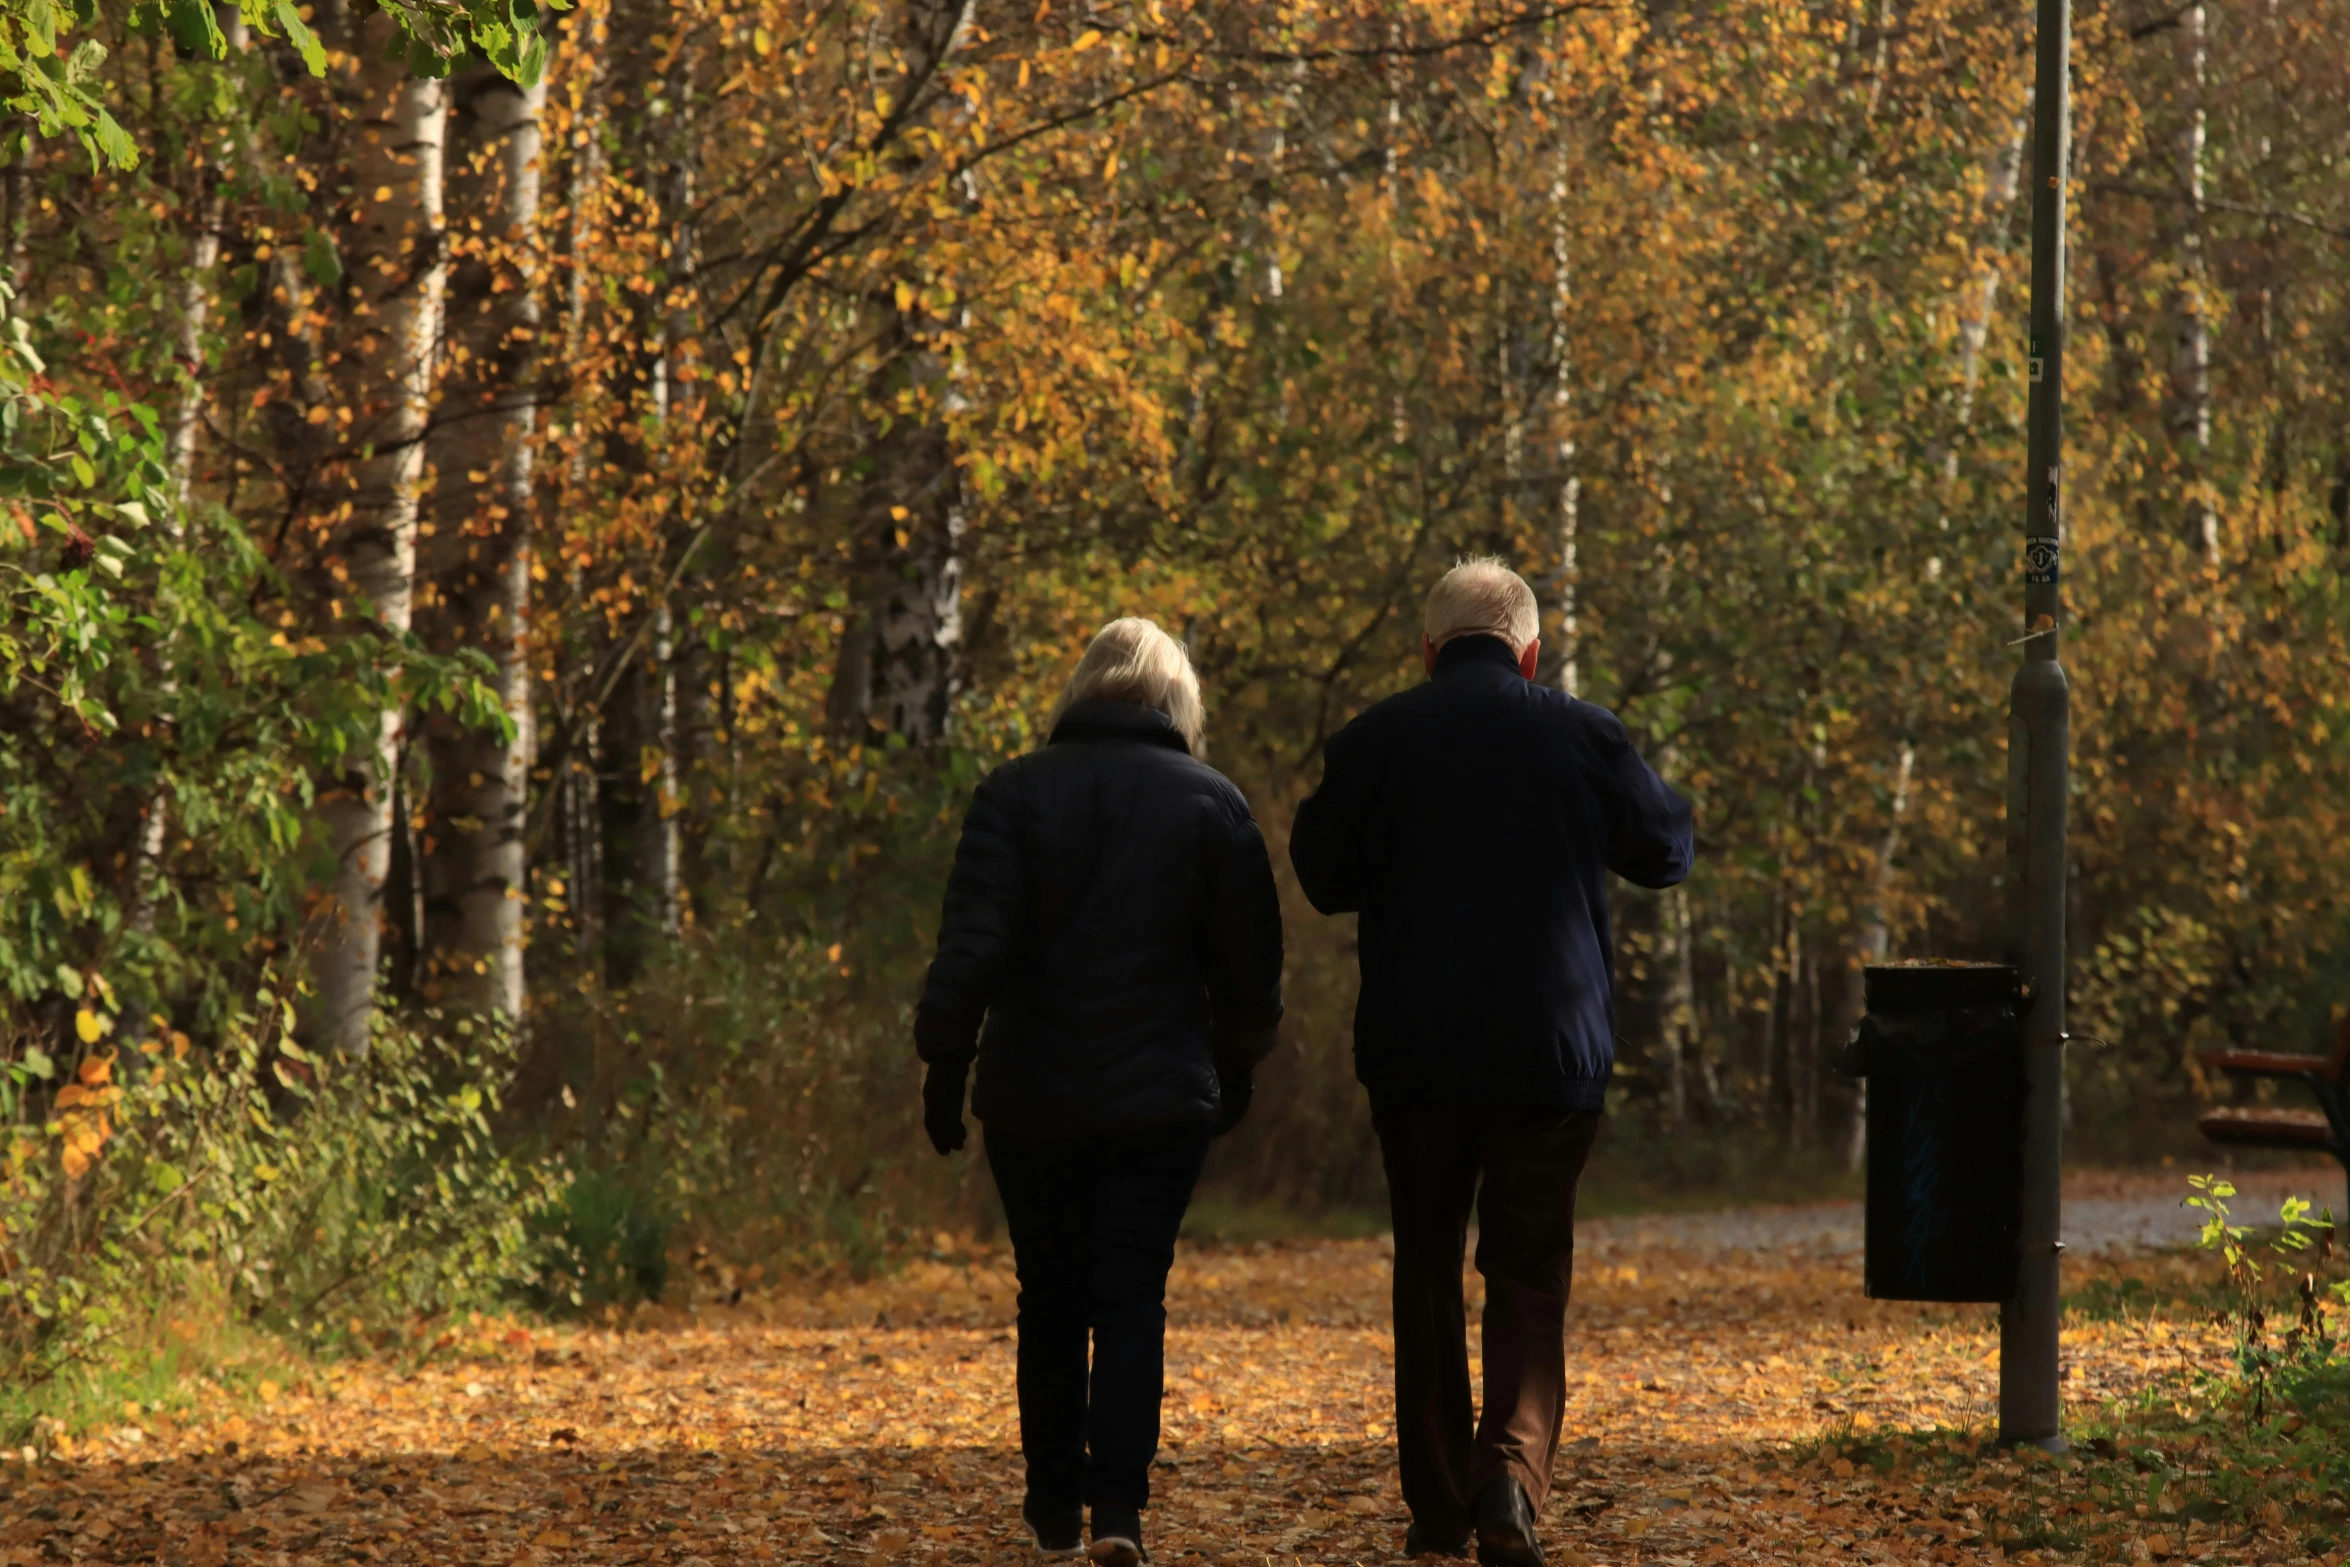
1112 916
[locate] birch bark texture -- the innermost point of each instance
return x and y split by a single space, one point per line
1562 409
475 867
398 274
193 318
901 663
2191 356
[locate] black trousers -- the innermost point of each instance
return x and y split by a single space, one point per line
1093 1224
1518 1167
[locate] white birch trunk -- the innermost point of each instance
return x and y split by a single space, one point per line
187 412
902 666
662 841
582 807
1562 402
475 872
661 849
1876 930
400 272
2191 361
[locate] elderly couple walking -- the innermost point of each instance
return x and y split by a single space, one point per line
1110 956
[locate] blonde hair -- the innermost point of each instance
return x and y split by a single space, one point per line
1132 660
1482 597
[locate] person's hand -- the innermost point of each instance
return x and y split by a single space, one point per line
1236 1083
942 1103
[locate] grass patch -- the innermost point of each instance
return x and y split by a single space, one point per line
1223 1221
2143 1287
163 1370
1637 1168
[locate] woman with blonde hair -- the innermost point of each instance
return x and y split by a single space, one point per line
1110 955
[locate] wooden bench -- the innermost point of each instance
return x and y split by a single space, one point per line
2325 1129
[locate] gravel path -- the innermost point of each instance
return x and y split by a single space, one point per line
2102 1212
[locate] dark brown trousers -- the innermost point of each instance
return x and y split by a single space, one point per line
1518 1168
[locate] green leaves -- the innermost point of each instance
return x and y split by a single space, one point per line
62 95
321 261
195 29
40 21
112 141
113 627
299 33
55 93
434 38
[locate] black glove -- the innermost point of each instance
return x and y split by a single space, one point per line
1236 1084
942 1101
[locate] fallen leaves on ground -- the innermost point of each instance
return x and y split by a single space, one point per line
1723 1407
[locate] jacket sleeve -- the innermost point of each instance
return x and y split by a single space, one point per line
1244 937
1326 842
1651 830
986 909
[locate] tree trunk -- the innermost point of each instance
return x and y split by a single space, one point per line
637 860
2005 173
1677 958
636 777
1807 1063
194 316
16 206
1876 938
397 271
901 664
2191 360
1562 402
1782 1058
475 870
660 837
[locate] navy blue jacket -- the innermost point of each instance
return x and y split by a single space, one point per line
1111 915
1471 821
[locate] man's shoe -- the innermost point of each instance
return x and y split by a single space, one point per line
1426 1539
1505 1526
1117 1537
1059 1532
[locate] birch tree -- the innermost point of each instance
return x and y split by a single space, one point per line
483 454
2191 354
398 274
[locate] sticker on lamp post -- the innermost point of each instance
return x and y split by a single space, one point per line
2039 362
2041 555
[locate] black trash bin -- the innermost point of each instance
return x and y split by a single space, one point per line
1941 1046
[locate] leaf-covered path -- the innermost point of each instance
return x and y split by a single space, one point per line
1720 1396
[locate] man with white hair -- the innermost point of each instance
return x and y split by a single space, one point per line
1471 821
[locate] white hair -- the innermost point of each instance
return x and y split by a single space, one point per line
1482 597
1132 660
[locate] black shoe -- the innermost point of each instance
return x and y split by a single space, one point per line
1426 1539
1505 1526
1117 1537
1059 1531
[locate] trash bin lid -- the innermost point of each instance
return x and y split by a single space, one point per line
1937 983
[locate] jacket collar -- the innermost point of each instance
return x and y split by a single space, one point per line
1474 652
1101 719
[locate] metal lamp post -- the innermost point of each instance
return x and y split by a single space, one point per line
2038 738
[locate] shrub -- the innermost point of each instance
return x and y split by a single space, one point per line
2307 1350
315 1197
